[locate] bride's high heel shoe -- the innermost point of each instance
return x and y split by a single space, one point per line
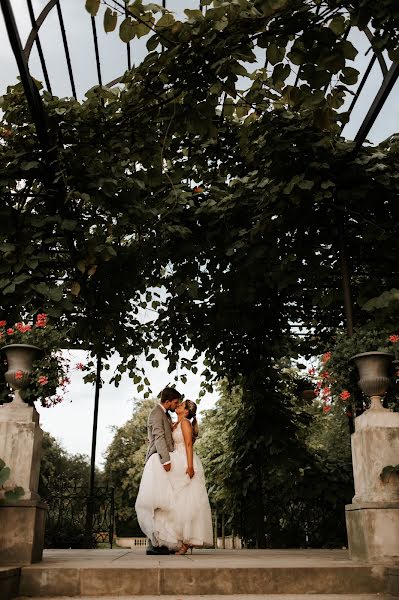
184 548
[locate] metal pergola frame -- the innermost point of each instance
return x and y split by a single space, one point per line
390 75
22 55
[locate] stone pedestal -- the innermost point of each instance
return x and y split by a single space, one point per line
21 522
373 517
22 532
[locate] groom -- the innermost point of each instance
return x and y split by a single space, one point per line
161 440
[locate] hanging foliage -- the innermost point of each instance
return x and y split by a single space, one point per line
214 188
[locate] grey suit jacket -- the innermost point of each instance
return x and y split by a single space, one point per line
159 435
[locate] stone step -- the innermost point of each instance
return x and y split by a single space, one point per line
113 573
233 597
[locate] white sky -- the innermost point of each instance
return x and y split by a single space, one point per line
71 421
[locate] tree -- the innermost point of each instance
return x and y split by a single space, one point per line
56 462
277 485
124 466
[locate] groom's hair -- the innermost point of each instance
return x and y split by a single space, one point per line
168 394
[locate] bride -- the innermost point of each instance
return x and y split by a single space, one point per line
172 506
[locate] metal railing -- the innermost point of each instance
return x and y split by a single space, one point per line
76 519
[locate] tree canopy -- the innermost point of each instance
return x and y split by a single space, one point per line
214 187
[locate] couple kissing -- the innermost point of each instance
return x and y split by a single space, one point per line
172 504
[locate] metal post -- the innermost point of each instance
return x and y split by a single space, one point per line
90 500
346 282
31 92
223 533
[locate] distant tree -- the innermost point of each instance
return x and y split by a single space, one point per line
57 462
124 465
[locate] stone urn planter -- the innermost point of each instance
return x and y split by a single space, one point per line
372 519
373 368
20 359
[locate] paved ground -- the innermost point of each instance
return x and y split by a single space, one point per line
136 558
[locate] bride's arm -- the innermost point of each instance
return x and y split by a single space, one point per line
188 441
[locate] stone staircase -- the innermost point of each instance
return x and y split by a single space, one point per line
279 574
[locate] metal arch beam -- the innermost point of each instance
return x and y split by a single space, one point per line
379 101
114 82
31 92
383 64
34 32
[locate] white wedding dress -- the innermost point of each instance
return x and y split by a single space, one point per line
171 508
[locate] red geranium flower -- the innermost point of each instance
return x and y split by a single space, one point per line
43 379
326 408
10 331
394 338
19 375
3 323
41 320
344 395
326 357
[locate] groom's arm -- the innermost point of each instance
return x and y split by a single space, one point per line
159 438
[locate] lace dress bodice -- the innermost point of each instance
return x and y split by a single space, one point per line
178 438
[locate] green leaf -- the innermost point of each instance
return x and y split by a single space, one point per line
145 27
9 289
349 75
382 301
194 15
55 293
127 30
92 7
348 49
4 475
306 184
153 42
297 57
15 494
280 73
338 25
275 54
228 107
167 20
26 166
110 20
221 24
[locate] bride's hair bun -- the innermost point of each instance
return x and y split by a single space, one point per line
192 412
